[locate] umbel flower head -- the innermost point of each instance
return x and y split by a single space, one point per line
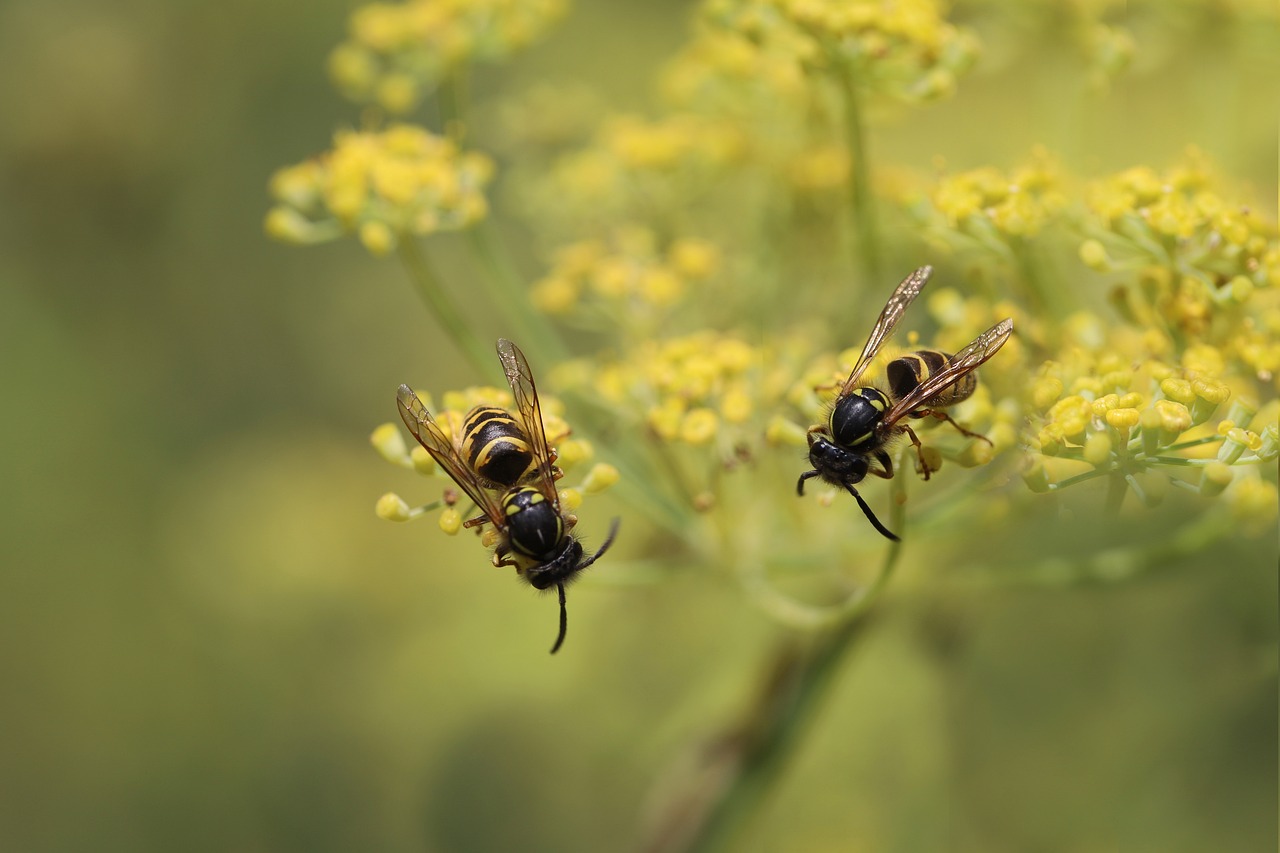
1202 267
380 185
904 50
396 53
990 211
1114 404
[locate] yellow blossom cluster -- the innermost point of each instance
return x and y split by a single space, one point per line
380 185
1198 257
905 49
1119 401
396 53
989 210
634 165
703 389
624 278
572 454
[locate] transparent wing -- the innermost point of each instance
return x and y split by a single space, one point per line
903 295
964 362
520 378
440 445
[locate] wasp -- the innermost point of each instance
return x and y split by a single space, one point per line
864 420
534 534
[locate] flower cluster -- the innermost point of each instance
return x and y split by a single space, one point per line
635 167
1201 266
903 50
1119 402
397 53
628 281
573 454
988 211
380 185
699 390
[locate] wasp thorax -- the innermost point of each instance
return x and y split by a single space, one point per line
855 416
534 524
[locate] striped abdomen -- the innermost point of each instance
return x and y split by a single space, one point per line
906 373
495 446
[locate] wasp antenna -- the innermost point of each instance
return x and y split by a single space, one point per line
564 621
608 540
871 516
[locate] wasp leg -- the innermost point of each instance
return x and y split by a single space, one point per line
871 516
915 439
501 559
884 460
800 483
943 416
475 522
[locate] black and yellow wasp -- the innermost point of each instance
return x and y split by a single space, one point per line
508 470
864 421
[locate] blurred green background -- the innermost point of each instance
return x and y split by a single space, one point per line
211 643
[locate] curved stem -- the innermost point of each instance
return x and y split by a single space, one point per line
444 308
751 755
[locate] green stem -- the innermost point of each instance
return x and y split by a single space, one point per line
508 292
860 197
756 750
451 100
1117 487
445 310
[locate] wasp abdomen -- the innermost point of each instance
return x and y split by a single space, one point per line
906 373
495 445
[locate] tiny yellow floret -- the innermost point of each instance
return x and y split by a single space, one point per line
699 426
601 476
392 507
570 499
450 521
1217 476
1097 449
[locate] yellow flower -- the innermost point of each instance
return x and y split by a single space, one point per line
395 52
380 185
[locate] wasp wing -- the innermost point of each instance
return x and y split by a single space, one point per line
966 361
520 378
903 295
442 449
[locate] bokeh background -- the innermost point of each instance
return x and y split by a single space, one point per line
209 642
